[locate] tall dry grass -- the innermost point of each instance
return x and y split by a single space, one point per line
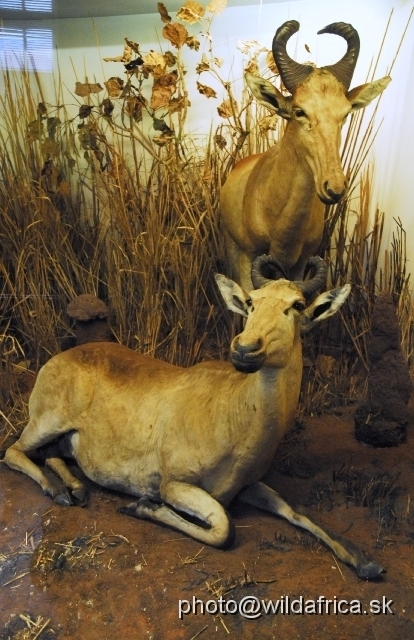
145 241
338 352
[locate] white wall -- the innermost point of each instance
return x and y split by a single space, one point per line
77 42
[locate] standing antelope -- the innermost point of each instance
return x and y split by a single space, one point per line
268 203
186 441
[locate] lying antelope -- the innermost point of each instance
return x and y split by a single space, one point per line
269 203
185 441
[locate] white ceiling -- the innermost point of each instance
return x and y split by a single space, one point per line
23 9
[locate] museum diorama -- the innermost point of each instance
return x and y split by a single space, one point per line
207 319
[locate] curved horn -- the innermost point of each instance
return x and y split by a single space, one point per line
269 264
291 72
344 69
318 282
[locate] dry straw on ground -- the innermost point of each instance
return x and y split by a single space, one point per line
115 199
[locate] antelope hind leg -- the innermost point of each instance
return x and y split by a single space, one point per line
261 496
216 529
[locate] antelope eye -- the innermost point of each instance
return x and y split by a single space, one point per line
299 113
298 306
249 303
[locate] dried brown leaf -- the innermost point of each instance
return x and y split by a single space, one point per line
220 141
193 43
202 66
134 45
163 139
145 70
160 125
178 104
50 148
126 56
100 156
206 91
162 90
114 86
132 67
85 138
155 64
71 161
84 111
127 90
133 108
175 33
34 130
86 88
159 98
216 6
153 59
107 107
158 71
165 17
170 58
191 12
169 80
252 67
268 123
226 108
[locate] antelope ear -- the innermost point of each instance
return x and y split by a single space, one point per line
361 96
233 295
324 306
267 94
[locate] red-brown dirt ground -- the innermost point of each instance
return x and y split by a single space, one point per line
94 574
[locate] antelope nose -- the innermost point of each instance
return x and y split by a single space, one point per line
335 195
250 349
247 358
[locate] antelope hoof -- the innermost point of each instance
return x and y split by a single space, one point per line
140 508
80 496
129 509
370 571
63 499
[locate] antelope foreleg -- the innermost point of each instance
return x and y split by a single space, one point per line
215 528
39 432
239 264
261 496
16 458
76 487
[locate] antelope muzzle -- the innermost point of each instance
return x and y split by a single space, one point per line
247 358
